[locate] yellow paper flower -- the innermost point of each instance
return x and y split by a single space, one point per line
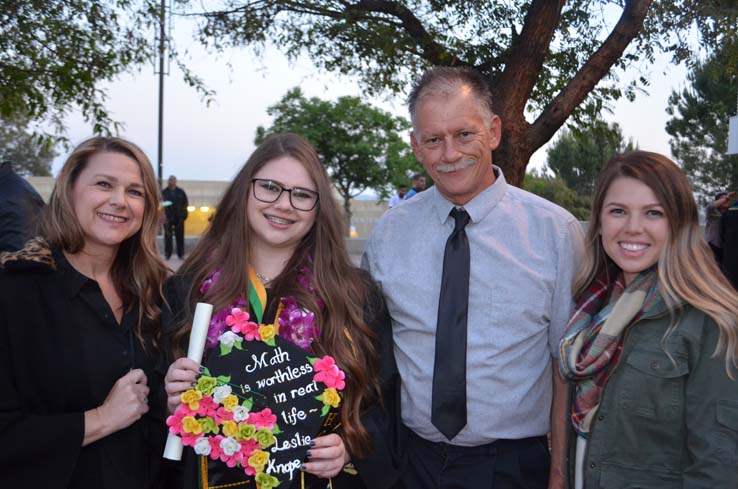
230 428
190 425
331 397
258 460
192 399
266 331
229 402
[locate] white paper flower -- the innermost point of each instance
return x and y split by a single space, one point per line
240 413
229 338
221 392
202 446
229 446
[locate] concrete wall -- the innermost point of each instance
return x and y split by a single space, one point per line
204 195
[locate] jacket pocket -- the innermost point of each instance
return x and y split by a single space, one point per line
653 384
628 477
727 434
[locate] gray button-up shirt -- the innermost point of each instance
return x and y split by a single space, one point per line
519 304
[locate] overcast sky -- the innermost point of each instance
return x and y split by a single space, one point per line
211 143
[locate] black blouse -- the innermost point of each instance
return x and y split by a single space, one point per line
61 351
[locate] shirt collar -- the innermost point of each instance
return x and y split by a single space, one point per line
479 207
72 279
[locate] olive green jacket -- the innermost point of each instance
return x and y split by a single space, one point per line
665 422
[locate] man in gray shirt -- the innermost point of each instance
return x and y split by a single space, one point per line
520 267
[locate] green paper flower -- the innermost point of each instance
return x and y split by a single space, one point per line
266 481
206 384
265 438
208 425
246 431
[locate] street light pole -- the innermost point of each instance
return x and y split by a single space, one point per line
162 51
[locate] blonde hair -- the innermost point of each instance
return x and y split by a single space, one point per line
137 272
687 270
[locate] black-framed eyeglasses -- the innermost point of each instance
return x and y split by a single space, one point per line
269 191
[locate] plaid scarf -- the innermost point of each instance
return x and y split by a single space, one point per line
593 342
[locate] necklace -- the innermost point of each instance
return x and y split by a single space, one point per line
263 279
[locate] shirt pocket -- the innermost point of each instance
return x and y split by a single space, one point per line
727 432
653 384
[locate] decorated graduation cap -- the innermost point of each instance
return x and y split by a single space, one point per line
259 402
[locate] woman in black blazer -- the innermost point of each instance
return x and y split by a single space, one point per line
79 329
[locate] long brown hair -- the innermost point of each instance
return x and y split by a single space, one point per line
343 288
137 273
687 270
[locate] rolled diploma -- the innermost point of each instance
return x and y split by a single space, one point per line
198 334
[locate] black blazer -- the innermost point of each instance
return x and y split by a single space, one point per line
51 373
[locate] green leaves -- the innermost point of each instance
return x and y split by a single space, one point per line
361 146
30 152
54 54
579 153
699 124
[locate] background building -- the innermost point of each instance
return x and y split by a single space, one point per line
204 195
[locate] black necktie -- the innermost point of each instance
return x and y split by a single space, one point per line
448 412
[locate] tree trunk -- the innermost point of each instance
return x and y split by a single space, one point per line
514 151
511 91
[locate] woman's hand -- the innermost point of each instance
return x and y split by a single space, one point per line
126 402
180 376
326 457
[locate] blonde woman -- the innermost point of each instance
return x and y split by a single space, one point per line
653 345
79 327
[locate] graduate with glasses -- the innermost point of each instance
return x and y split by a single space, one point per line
279 226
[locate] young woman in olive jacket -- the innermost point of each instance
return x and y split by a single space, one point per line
652 348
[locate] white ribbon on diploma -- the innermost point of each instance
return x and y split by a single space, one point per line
198 334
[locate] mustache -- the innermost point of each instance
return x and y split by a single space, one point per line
448 168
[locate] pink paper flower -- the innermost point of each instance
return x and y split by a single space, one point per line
239 322
175 420
327 372
208 407
251 331
215 449
248 447
263 419
223 415
189 439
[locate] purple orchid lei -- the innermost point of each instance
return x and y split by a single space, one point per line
296 324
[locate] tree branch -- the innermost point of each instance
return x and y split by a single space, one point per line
596 67
431 51
527 55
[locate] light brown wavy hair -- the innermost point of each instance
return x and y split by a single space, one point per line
138 273
343 288
687 270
